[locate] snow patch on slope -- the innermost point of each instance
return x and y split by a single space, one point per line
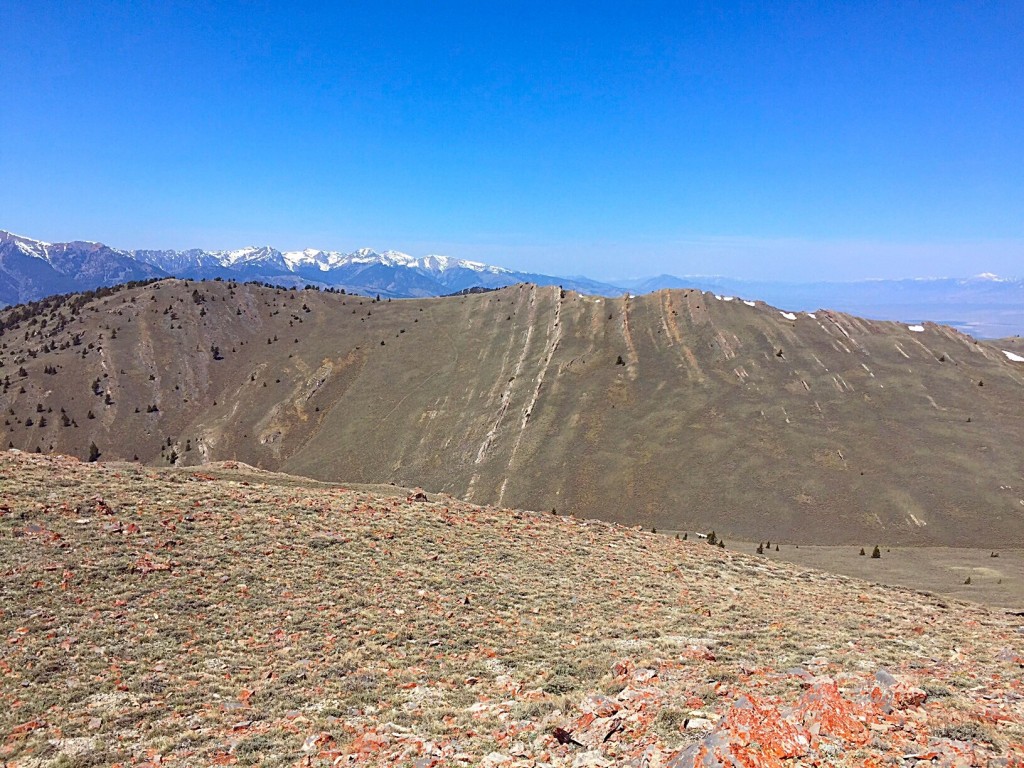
35 248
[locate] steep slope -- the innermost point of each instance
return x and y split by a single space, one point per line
676 410
222 616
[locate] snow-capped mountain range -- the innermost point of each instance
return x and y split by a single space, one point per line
310 261
985 305
30 269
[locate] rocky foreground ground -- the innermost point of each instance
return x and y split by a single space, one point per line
223 616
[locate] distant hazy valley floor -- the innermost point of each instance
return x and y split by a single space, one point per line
220 615
997 580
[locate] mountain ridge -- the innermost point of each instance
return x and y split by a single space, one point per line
391 273
674 410
983 305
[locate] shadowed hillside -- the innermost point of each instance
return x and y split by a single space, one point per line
674 410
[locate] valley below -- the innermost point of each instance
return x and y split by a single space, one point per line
997 581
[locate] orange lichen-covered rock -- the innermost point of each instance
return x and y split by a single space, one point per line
598 731
905 696
825 713
601 706
888 693
699 652
752 721
368 742
753 734
622 668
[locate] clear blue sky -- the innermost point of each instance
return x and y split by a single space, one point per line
788 140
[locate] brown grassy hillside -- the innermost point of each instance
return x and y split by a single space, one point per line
673 410
218 615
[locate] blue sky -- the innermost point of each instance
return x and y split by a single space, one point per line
785 140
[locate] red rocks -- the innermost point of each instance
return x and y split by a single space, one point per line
597 731
600 706
27 727
368 743
751 721
753 734
699 653
825 713
622 668
905 696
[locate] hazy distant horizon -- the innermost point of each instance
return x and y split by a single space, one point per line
800 262
777 142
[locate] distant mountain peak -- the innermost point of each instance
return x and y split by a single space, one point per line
80 265
26 245
985 305
6 235
248 254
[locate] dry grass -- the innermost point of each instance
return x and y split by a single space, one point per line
232 615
